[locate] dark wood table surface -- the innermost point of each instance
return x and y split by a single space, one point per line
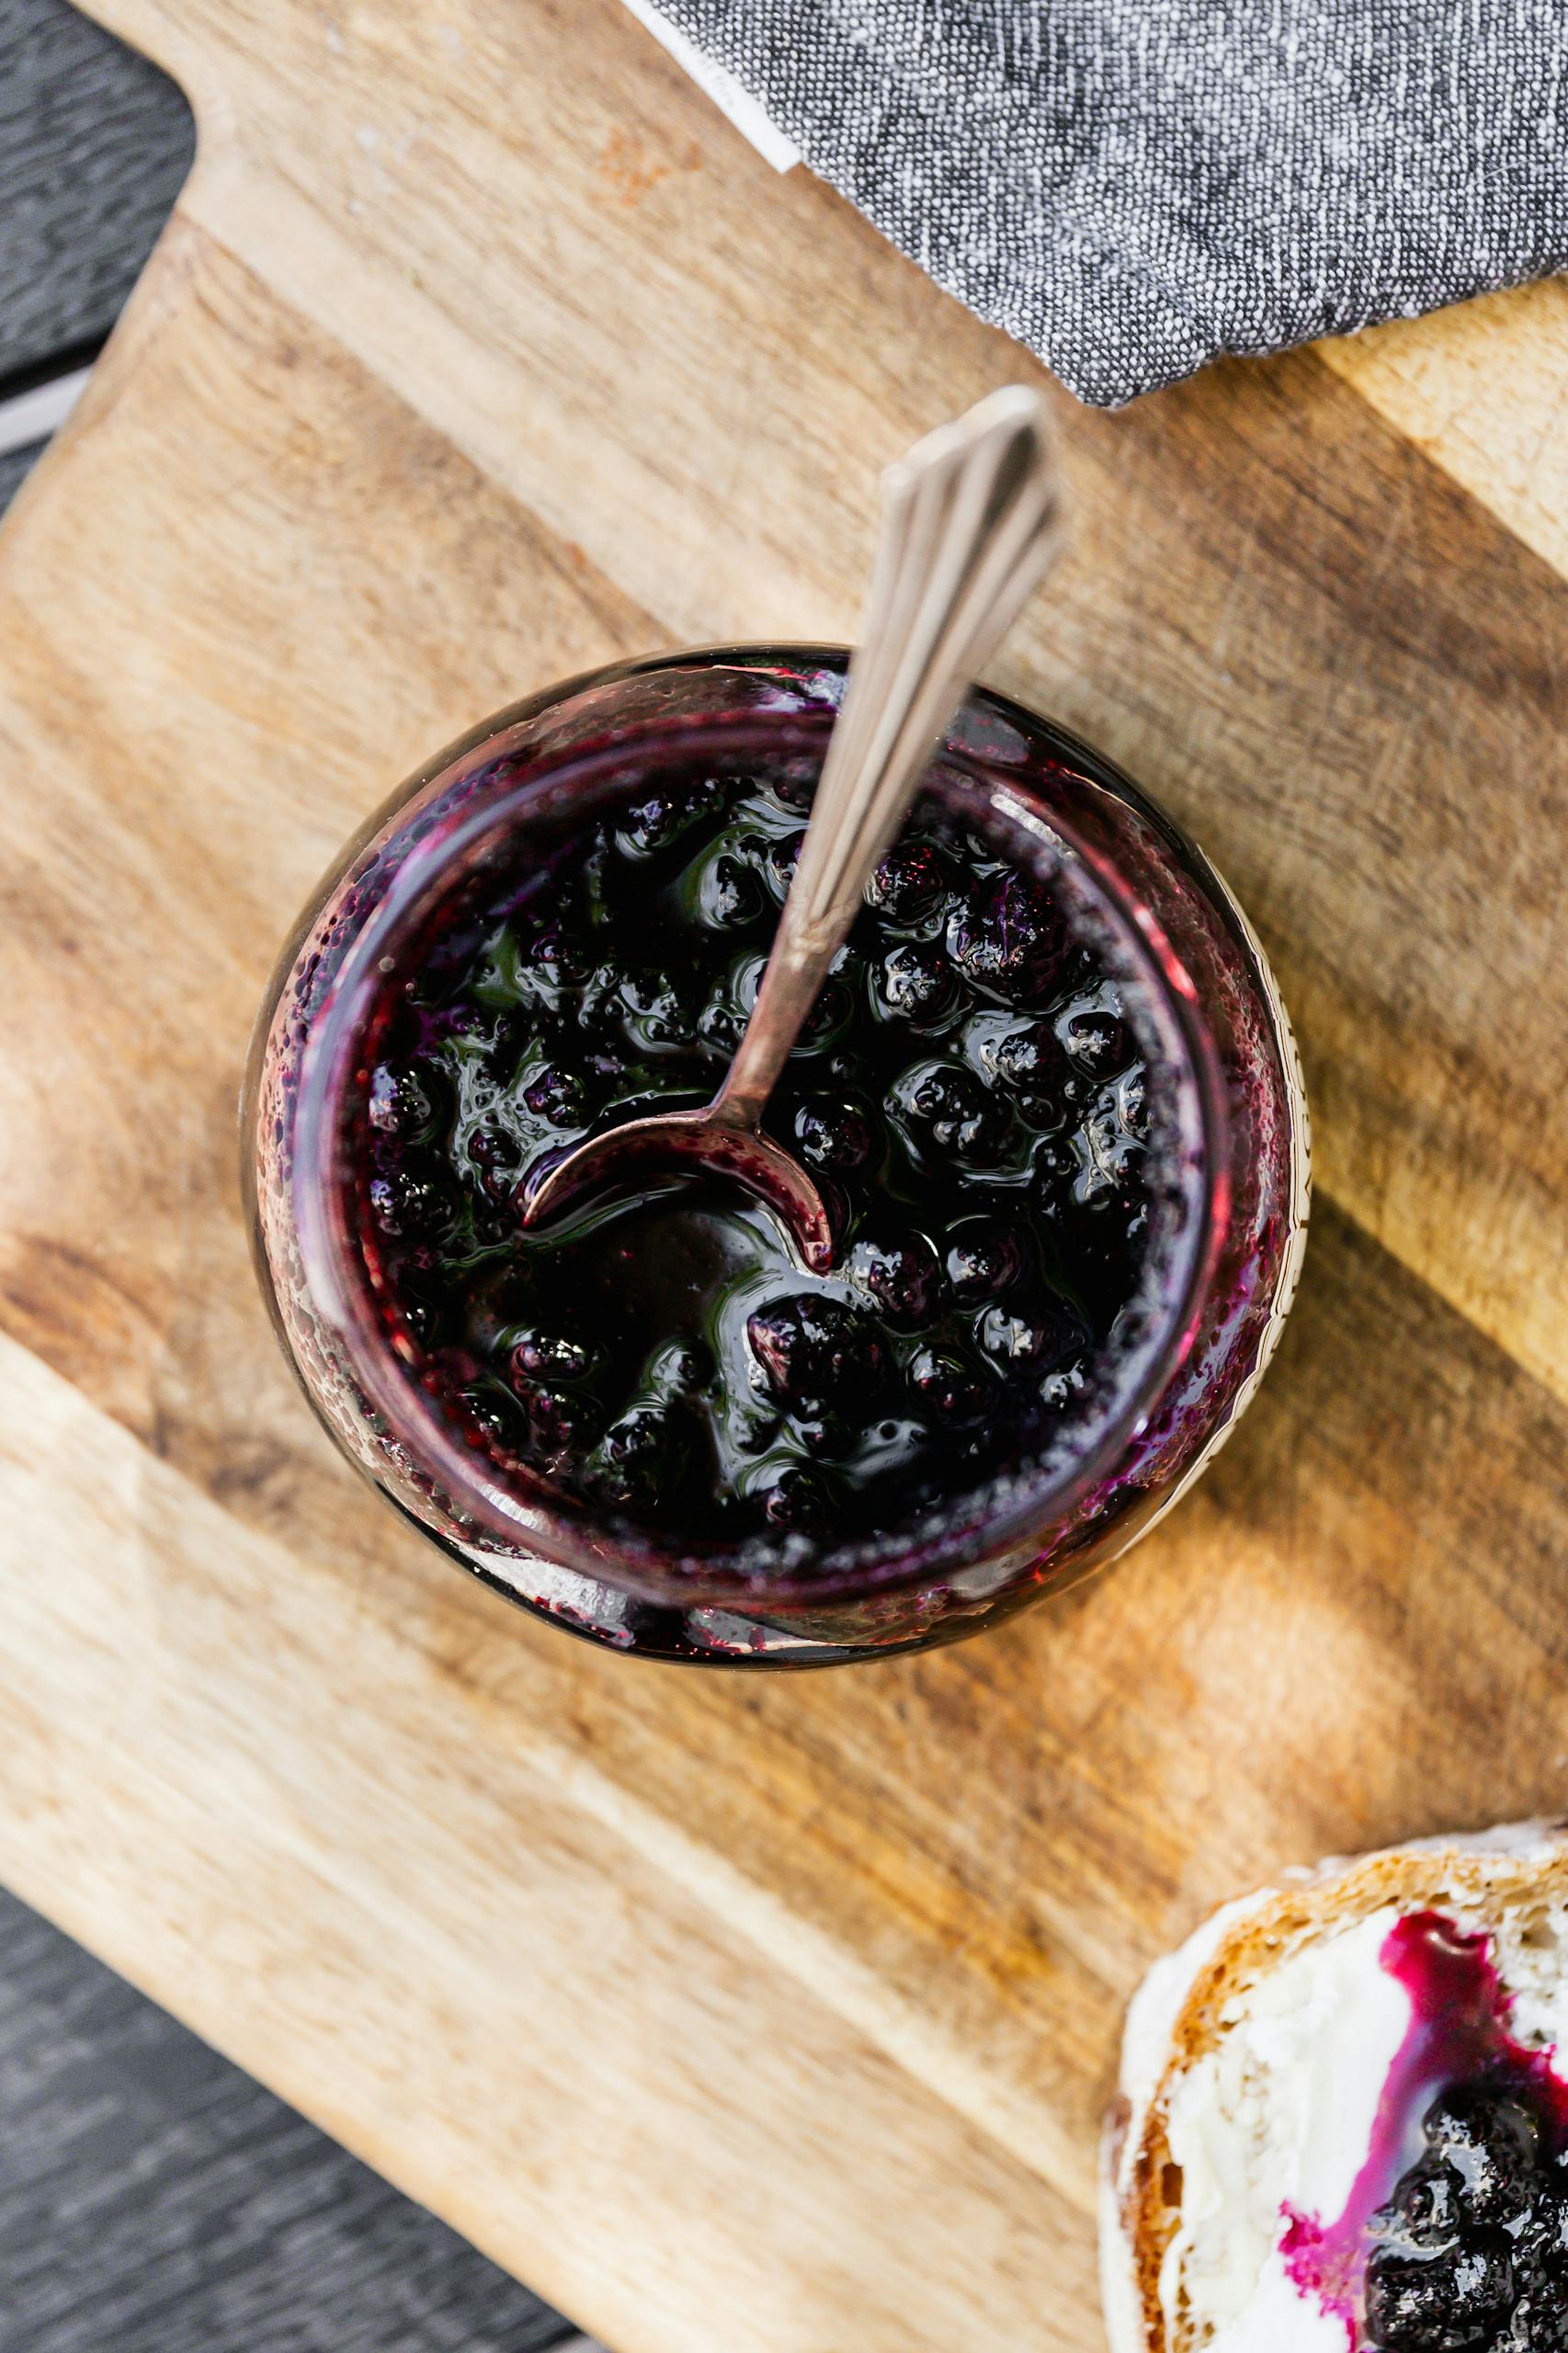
153 2197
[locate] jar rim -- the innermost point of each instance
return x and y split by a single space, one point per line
449 820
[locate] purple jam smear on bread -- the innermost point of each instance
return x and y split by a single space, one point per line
1455 2234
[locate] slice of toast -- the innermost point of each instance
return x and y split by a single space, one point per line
1271 2065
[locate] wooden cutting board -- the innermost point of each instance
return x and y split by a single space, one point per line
773 2016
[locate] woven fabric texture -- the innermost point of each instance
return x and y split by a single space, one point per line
1133 186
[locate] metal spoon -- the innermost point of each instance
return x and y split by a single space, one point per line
969 522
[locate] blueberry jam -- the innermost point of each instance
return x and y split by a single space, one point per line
972 1097
1049 1098
1455 2234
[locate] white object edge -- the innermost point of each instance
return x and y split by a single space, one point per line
749 118
33 416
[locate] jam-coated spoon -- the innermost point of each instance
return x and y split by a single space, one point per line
969 524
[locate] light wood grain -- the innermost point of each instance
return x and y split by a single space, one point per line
1482 390
727 2013
536 2023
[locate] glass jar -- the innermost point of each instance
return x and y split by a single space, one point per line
1231 1205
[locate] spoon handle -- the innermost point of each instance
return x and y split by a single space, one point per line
969 522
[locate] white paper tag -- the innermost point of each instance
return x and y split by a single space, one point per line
750 118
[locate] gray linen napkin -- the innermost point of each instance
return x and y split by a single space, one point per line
1133 186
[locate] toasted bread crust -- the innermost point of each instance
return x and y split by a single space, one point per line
1178 2015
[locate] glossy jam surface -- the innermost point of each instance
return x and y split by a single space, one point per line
1455 2234
971 1098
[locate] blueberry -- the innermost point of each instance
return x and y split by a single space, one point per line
1540 2276
493 1414
779 860
950 1108
653 1009
828 1018
558 1096
599 1002
560 958
832 1134
1056 1170
641 1458
1030 1339
1439 2303
660 817
727 896
1097 1040
545 1425
497 1155
676 1370
413 1202
1491 2140
829 1014
812 1352
556 1424
1058 1389
1547 2233
400 1103
914 981
720 1025
550 1356
1009 939
423 1318
599 875
822 1432
798 1500
984 1257
794 786
1424 2211
490 1146
1040 1108
474 1025
899 1274
909 882
946 1389
649 825
1034 1060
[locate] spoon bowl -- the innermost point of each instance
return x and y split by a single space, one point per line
709 1142
969 524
